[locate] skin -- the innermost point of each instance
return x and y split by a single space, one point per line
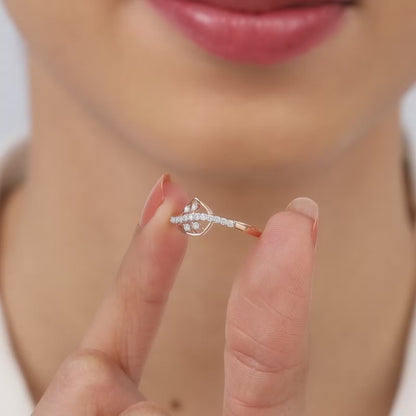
102 375
103 76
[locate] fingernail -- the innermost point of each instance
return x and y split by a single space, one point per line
308 207
154 199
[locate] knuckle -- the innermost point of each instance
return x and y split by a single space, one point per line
287 312
275 351
285 382
288 319
255 362
247 349
282 405
238 405
141 284
143 291
273 338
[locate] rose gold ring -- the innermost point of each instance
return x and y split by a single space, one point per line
197 218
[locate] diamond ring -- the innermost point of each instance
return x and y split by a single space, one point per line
197 218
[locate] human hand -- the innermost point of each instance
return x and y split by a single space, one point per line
266 327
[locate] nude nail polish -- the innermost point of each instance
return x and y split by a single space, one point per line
154 199
309 208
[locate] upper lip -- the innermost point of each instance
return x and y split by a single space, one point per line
259 6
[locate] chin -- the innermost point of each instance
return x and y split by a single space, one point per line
227 152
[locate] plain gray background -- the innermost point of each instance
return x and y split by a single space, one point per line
14 114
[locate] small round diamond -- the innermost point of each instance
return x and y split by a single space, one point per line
217 219
223 221
195 225
187 227
194 206
172 220
203 217
210 217
197 216
230 223
187 208
191 217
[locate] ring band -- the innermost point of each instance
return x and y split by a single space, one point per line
194 222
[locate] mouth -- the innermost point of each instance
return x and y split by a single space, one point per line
264 32
264 6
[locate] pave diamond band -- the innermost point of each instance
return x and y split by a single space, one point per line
202 217
196 223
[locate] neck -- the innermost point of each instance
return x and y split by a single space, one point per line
73 217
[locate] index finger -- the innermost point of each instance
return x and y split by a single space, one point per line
127 320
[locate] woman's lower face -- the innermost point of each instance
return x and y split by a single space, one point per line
302 85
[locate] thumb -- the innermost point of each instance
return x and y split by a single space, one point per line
267 318
145 408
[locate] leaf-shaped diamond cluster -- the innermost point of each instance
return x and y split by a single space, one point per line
190 219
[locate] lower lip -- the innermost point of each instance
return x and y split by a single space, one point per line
262 38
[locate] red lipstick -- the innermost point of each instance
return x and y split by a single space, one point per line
257 31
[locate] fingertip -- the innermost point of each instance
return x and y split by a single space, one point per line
284 225
305 206
300 219
164 190
176 195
